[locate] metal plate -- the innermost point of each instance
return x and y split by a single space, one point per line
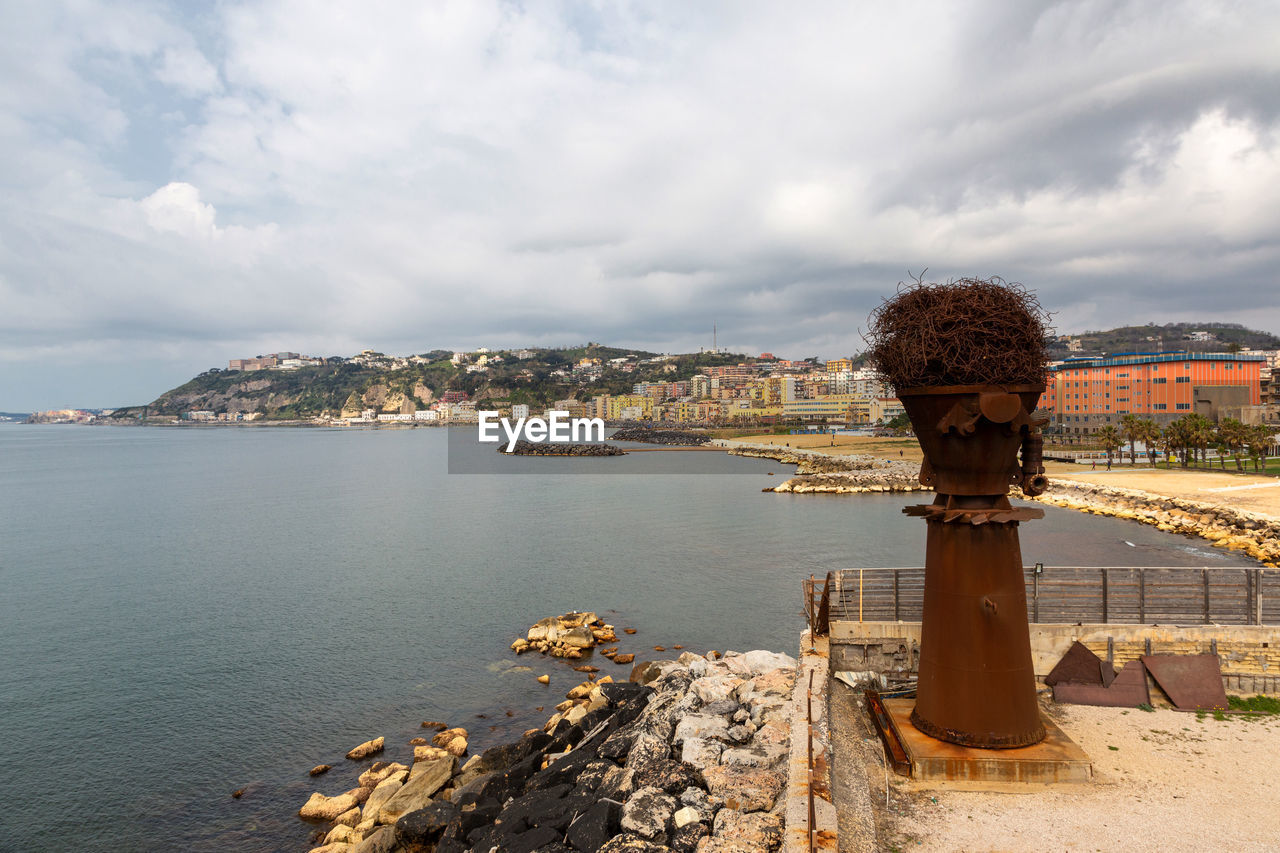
1128 690
1079 666
1192 682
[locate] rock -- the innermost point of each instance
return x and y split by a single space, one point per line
700 726
457 747
748 832
620 659
667 775
777 682
628 843
424 826
237 793
618 783
714 688
349 818
427 778
434 724
684 816
687 838
746 789
428 753
320 769
383 840
386 790
418 741
579 637
586 668
320 807
442 739
544 679
628 630
754 756
341 834
364 750
701 752
591 829
647 813
377 772
336 847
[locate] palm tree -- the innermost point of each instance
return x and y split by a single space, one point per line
1130 429
1149 435
1233 436
1109 437
1178 434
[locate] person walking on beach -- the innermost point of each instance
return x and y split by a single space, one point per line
1095 465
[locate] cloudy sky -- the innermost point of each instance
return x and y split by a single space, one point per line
185 183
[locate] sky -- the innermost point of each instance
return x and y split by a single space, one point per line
185 183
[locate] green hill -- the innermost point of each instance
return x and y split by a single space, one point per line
1171 337
391 384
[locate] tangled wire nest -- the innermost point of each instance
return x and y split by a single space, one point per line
969 331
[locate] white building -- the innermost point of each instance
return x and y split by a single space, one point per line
519 410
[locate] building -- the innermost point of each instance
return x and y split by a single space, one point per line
840 364
520 410
1084 395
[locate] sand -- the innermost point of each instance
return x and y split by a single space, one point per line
1173 781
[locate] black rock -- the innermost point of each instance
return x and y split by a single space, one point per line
527 808
593 774
425 825
594 826
534 839
686 838
450 845
673 777
617 745
504 755
628 843
619 692
562 771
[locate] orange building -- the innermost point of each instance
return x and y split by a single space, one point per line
1087 394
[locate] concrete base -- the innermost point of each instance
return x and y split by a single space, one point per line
1055 760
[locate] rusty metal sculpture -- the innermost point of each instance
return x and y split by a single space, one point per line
967 360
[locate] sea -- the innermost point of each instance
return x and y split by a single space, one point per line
188 612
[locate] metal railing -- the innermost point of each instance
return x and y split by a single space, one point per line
1142 595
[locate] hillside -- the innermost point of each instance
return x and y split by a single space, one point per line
1171 337
389 384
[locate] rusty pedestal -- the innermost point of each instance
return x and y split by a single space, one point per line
976 682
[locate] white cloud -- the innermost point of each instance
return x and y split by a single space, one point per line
411 176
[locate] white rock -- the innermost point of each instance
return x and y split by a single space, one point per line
385 791
700 726
684 816
713 688
701 752
761 661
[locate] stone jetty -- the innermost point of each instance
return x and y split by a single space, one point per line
688 756
556 448
1252 533
679 437
821 473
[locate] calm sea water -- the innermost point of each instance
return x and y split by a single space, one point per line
187 612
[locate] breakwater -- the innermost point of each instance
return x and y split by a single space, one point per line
678 437
1238 530
821 473
687 756
555 448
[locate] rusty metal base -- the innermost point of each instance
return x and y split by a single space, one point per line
1055 760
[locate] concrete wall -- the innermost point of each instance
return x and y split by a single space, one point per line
1249 654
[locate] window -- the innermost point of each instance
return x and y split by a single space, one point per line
1159 380
1160 406
1182 406
1180 379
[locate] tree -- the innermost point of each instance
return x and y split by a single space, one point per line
1233 436
1131 429
1109 437
1149 435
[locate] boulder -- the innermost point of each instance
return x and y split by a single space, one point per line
424 826
319 769
647 813
700 726
442 739
747 789
379 771
428 753
713 688
364 750
593 827
383 840
748 832
688 838
320 807
627 658
427 778
385 791
701 752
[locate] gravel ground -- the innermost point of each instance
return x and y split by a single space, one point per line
1164 781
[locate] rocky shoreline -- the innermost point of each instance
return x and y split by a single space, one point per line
1252 533
821 473
688 756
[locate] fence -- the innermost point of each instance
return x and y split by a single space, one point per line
1129 595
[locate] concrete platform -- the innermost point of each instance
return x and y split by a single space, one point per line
1055 760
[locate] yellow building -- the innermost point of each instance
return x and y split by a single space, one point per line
617 404
839 364
832 407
